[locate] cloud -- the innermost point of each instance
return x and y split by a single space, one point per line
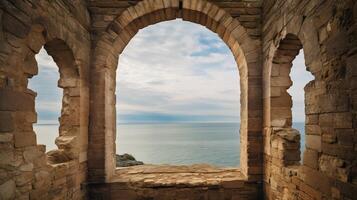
170 71
177 68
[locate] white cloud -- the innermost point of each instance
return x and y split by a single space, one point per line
172 68
182 66
45 61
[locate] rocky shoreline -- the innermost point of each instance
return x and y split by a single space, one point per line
127 160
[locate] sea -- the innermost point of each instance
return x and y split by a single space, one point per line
172 143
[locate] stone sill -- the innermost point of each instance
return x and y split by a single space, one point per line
159 176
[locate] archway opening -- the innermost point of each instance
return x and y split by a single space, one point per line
116 37
289 100
300 78
58 100
178 97
48 100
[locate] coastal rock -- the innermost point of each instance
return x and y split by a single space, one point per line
127 160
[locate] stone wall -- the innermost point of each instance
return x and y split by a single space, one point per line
326 31
85 39
61 27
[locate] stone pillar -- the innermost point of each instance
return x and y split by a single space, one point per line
101 163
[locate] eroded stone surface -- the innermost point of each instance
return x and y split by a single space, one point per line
199 181
179 176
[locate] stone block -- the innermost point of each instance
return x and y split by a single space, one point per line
74 92
345 136
312 130
8 190
328 135
343 152
233 184
57 156
43 179
24 178
16 101
280 122
310 158
6 137
313 142
125 195
36 39
281 101
334 167
30 65
315 179
30 154
24 139
281 81
342 120
68 82
27 167
7 157
7 122
312 119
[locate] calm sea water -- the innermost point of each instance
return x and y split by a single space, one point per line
179 144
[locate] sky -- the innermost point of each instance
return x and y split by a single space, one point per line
173 71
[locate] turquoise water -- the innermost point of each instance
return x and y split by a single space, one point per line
179 144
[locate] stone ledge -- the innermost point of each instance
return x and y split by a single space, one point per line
199 175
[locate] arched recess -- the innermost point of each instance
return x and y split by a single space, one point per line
117 35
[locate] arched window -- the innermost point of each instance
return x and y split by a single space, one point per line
178 97
116 37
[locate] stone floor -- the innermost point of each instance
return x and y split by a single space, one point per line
175 176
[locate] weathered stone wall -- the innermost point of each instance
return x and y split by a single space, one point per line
326 31
85 39
62 27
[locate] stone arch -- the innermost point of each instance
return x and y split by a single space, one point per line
69 81
117 35
69 121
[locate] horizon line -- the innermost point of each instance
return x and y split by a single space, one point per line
162 122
